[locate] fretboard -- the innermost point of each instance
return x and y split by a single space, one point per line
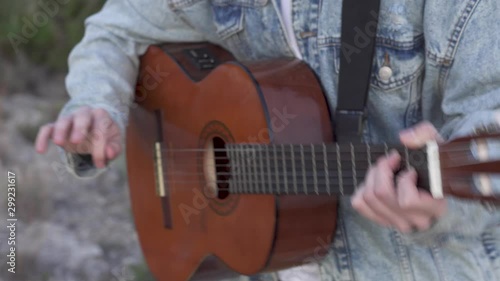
319 169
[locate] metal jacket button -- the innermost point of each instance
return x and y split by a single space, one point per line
385 73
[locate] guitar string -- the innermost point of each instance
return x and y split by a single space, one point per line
332 150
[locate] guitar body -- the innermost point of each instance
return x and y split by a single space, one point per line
190 101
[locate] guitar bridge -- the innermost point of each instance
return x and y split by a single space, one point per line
159 171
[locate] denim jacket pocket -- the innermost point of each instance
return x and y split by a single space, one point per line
229 15
396 64
228 20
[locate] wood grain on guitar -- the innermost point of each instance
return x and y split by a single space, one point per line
233 167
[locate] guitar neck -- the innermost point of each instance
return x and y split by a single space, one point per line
317 169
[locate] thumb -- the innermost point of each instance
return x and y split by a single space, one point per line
418 135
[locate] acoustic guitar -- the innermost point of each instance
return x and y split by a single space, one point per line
233 168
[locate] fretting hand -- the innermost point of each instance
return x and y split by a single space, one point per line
395 201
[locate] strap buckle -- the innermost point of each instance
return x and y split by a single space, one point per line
349 125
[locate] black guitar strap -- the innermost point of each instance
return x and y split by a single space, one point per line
359 28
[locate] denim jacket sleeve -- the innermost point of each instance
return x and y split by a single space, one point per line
471 101
472 90
103 67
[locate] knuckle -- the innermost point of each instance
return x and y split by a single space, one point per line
83 109
382 193
47 127
106 122
96 135
407 204
63 121
403 227
422 223
83 146
100 112
83 123
97 156
381 161
369 197
357 203
403 181
428 127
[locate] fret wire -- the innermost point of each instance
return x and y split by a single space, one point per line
250 172
327 176
247 168
241 171
294 172
276 169
269 170
244 180
232 177
303 169
230 163
235 175
247 171
315 176
254 162
285 176
262 170
339 170
353 166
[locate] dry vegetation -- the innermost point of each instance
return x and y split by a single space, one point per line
68 230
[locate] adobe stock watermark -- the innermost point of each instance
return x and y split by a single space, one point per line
149 81
361 37
47 9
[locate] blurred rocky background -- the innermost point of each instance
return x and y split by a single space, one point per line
67 229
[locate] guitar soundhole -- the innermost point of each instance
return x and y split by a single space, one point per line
215 168
222 169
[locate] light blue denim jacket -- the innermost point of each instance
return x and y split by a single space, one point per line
445 59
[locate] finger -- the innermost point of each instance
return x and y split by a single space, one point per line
81 125
409 201
382 209
383 185
381 197
414 201
392 161
61 129
42 139
359 204
417 136
113 145
99 125
112 150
